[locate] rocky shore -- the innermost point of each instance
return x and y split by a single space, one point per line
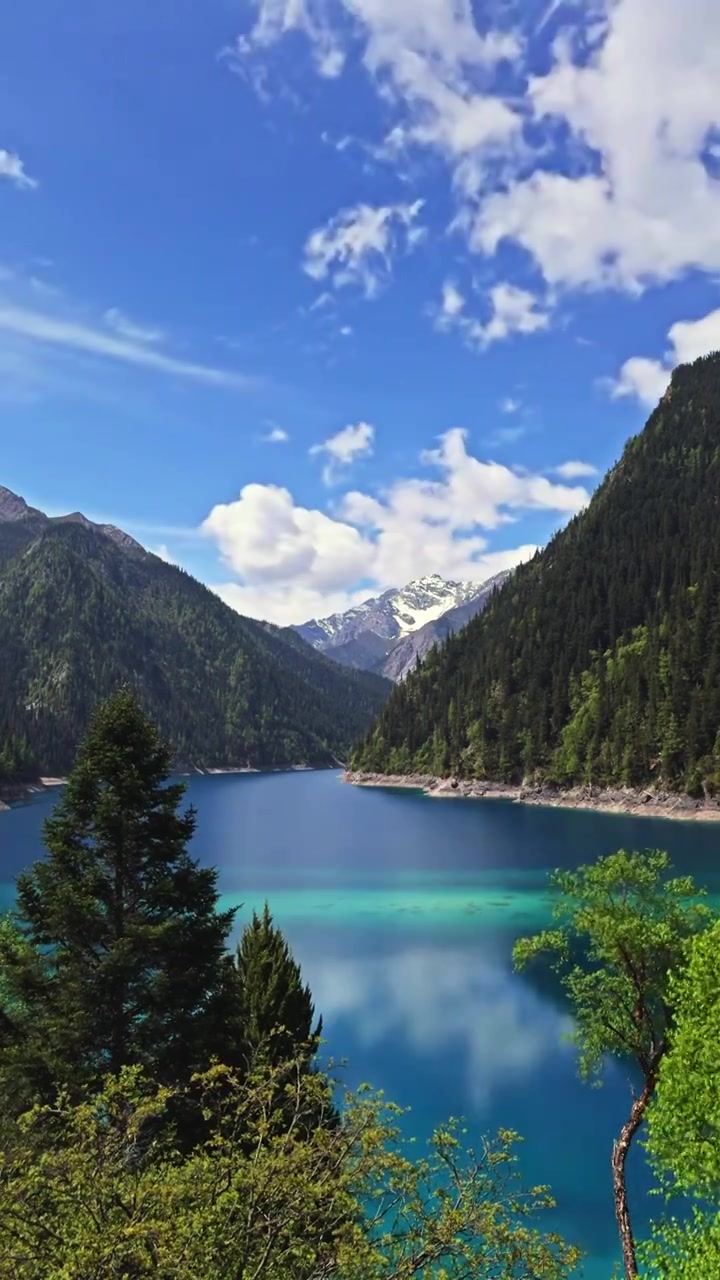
16 792
643 801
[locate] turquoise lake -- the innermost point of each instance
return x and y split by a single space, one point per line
402 911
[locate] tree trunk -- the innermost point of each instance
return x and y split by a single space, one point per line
621 1146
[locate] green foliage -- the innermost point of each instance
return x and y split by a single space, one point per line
115 987
684 1123
118 955
599 660
80 616
99 1190
684 1120
277 1010
622 928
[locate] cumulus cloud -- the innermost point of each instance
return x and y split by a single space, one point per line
292 563
357 246
511 311
13 169
276 435
548 162
344 447
270 542
427 59
646 380
646 208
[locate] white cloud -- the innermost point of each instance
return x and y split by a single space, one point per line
163 553
640 379
644 207
126 328
56 331
293 563
343 448
575 470
512 311
346 331
323 300
433 999
510 405
690 339
357 246
646 380
603 168
12 168
276 435
426 57
451 305
279 549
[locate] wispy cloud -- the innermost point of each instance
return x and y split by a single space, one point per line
512 311
127 328
354 441
12 168
357 246
53 331
574 470
276 435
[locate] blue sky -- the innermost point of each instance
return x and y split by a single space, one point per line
315 296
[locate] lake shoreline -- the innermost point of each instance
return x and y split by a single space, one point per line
19 793
633 802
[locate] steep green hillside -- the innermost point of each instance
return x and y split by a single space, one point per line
81 611
599 661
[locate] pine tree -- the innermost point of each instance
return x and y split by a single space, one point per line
120 953
277 1010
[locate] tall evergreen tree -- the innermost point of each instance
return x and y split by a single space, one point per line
598 661
277 1010
120 954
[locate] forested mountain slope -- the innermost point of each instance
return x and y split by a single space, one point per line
599 660
83 608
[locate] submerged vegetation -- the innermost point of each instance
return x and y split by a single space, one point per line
166 1113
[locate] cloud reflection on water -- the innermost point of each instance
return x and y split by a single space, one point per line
456 1000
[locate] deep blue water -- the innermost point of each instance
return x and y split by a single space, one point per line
402 911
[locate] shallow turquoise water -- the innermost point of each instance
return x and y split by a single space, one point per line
403 912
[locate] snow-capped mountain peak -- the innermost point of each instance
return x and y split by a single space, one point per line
365 635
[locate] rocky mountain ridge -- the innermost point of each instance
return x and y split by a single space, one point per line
83 609
13 509
387 633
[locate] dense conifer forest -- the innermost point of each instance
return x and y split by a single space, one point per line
599 661
81 613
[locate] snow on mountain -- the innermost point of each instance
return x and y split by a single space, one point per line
367 635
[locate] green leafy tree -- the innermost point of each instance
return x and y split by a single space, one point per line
119 952
622 929
277 1011
98 1190
684 1121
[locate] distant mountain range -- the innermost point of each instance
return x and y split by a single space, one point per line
388 633
598 662
83 608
